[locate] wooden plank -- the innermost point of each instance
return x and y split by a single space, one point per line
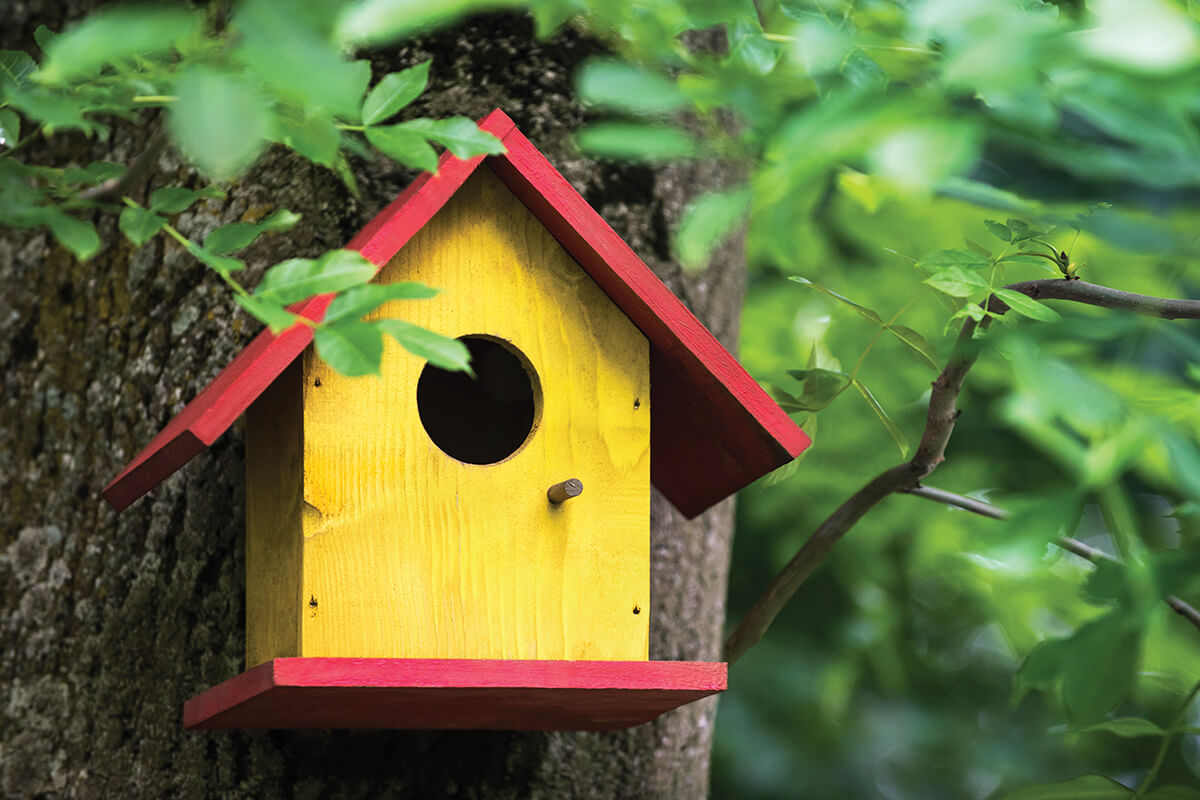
711 404
248 375
410 553
274 538
450 693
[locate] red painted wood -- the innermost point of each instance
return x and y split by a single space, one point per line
713 429
452 693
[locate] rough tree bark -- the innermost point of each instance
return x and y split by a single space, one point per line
108 623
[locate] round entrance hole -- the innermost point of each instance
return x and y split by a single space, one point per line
485 419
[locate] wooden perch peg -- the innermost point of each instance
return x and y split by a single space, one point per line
562 492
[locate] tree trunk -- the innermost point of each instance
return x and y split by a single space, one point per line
108 623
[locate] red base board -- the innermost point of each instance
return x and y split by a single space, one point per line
452 693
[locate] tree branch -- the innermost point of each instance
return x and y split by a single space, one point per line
965 503
1095 295
931 451
811 555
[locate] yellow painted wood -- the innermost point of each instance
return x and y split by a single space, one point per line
410 553
273 508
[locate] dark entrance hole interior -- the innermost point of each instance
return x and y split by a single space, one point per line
484 419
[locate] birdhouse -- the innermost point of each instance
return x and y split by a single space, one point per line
427 549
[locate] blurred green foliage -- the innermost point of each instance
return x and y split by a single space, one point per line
903 162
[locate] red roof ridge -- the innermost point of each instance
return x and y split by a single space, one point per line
713 428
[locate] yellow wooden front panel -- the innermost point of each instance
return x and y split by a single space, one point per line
409 553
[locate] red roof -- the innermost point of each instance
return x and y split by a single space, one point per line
712 428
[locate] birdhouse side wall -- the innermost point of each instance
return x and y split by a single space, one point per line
274 538
411 553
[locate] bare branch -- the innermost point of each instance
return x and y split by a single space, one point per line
1095 295
958 500
1085 551
939 423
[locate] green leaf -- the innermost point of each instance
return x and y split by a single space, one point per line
998 230
633 141
1108 584
1085 787
1174 793
983 194
751 49
15 68
238 235
1027 306
394 92
106 36
1044 665
342 167
977 247
403 145
316 137
864 72
139 224
173 199
74 234
441 351
380 21
351 347
219 122
96 172
273 315
863 311
1099 670
44 37
897 434
625 87
300 278
300 64
957 282
459 135
919 344
223 265
821 386
358 301
53 109
10 128
953 258
707 222
1126 727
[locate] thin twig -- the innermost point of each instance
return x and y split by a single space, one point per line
958 500
113 188
931 451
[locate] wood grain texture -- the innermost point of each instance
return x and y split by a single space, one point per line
435 693
720 429
410 553
274 539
